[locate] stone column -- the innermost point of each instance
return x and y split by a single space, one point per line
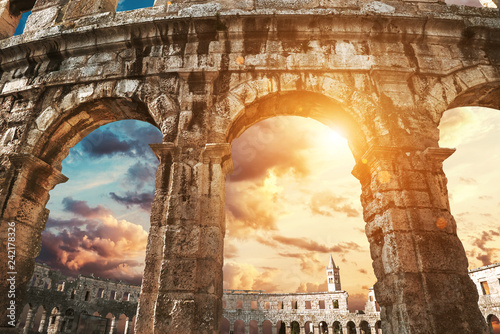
373 330
190 292
24 216
57 323
154 251
112 326
247 328
259 328
29 321
288 329
42 328
420 263
8 19
128 326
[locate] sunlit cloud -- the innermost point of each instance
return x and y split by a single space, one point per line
247 277
98 244
312 287
327 203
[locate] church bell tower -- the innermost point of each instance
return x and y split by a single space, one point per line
333 276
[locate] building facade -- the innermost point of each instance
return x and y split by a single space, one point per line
59 304
85 305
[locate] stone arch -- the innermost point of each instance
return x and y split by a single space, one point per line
40 317
337 327
351 327
294 327
121 324
323 327
481 95
253 327
21 323
55 319
364 327
280 327
309 327
225 326
340 108
64 118
267 327
239 327
493 323
56 130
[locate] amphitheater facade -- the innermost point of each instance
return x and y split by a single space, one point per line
59 304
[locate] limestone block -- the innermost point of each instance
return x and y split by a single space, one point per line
77 9
42 19
8 136
178 274
8 21
46 118
127 87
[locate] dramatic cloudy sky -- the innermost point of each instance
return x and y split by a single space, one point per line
290 202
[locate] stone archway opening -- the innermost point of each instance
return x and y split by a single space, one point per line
56 130
493 324
288 171
472 180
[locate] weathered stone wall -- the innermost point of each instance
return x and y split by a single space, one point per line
203 72
238 306
489 298
82 295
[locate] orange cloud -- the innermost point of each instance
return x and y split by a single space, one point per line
279 143
244 276
325 203
314 246
312 287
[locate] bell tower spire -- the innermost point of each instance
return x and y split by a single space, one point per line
333 276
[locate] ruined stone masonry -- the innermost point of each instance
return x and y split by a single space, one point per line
72 305
203 72
74 300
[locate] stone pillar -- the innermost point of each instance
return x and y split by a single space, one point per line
22 221
128 326
247 328
420 263
77 9
57 323
373 330
43 323
29 322
190 293
8 19
112 326
154 251
344 330
259 328
288 329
